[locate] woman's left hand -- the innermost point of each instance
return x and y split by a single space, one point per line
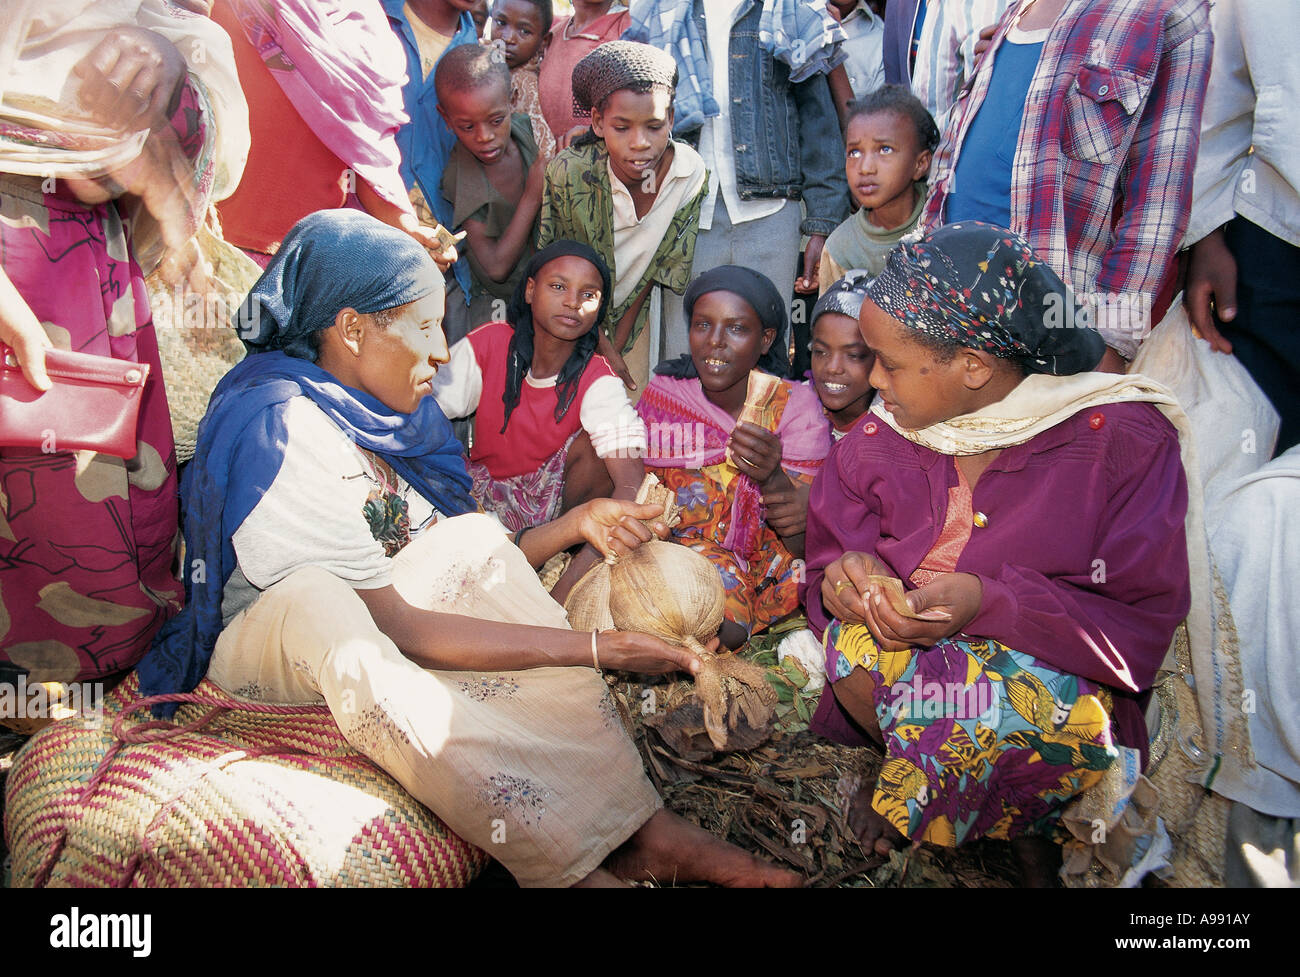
951 599
756 451
786 502
614 525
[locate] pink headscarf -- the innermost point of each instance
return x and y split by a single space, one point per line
687 430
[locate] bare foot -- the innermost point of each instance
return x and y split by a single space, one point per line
670 849
874 833
1039 860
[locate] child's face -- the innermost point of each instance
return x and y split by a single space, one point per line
518 25
480 14
565 297
480 118
636 127
882 158
915 386
841 364
727 338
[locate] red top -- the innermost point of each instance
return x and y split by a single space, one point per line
290 173
534 434
555 76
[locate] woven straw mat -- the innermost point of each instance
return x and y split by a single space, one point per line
250 799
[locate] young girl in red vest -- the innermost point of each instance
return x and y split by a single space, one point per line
553 426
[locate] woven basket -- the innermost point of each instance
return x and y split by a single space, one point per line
197 344
258 796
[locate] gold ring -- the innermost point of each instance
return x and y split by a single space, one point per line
841 585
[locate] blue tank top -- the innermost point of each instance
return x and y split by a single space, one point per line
982 179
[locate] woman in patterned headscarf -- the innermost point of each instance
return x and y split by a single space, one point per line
1035 512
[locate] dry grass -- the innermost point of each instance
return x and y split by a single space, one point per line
787 799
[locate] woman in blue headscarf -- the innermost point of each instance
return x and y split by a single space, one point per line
333 552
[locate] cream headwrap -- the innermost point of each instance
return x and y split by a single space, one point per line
43 130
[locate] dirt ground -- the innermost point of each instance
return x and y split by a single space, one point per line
786 800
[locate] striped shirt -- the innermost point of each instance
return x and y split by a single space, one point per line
945 54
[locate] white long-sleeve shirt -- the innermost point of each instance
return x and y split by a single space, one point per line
1249 162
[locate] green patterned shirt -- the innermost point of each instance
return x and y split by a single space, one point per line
578 205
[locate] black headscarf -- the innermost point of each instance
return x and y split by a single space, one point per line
756 289
332 260
520 315
982 287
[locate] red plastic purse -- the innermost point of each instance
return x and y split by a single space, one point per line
94 404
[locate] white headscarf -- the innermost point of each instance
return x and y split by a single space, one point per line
41 41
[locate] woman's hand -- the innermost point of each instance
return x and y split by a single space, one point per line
20 330
614 526
786 502
162 176
845 581
629 651
950 601
130 80
442 251
756 451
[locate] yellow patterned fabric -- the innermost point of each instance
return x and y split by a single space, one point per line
980 740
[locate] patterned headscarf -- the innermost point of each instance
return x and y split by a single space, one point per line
619 65
982 287
845 296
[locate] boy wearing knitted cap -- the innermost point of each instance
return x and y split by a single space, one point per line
629 190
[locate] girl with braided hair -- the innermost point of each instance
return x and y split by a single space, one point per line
629 190
553 426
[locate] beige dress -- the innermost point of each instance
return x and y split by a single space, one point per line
533 766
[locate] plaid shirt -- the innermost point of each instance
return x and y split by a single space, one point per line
1102 180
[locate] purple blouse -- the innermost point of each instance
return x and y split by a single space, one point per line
1083 558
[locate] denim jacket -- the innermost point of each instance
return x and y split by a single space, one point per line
425 142
787 136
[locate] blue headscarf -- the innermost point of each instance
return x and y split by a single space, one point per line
329 261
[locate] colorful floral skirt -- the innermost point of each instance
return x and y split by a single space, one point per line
87 541
980 740
526 500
